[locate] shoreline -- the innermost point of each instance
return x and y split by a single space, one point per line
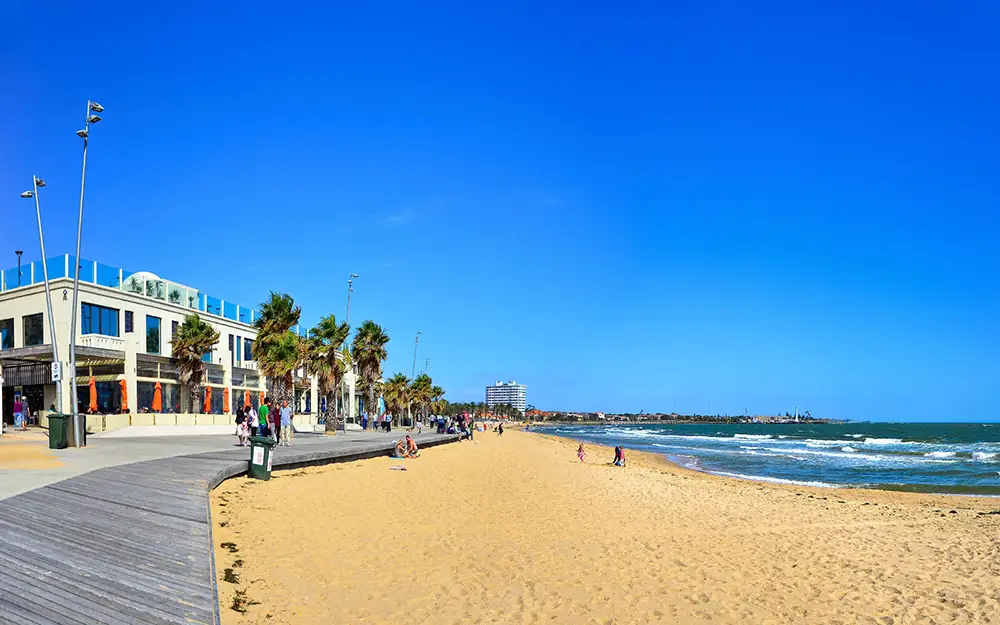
987 500
769 480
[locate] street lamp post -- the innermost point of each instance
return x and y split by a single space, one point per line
413 372
19 252
350 289
347 320
427 362
92 118
37 183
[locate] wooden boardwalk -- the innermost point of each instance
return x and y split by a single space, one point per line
133 543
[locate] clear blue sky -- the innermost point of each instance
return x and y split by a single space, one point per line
625 206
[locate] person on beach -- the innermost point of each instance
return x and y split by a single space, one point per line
500 429
620 462
411 448
387 422
286 423
580 453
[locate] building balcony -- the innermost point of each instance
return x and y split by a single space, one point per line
100 341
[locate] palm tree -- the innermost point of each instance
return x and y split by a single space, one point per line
273 347
278 360
194 338
438 403
369 352
420 393
397 393
327 364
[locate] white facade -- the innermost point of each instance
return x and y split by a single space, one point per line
127 322
503 393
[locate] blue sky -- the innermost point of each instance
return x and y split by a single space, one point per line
625 206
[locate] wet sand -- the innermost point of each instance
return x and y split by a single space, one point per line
516 530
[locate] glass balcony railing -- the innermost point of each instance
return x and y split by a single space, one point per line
136 283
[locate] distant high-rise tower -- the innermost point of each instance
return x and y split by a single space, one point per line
506 393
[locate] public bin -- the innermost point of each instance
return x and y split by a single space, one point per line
57 430
260 457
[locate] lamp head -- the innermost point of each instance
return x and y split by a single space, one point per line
93 119
28 194
82 133
39 182
97 108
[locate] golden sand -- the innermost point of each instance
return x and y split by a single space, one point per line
516 530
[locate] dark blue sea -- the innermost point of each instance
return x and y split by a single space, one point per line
959 458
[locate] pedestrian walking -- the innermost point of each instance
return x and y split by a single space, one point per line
285 423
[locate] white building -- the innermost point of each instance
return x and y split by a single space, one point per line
126 323
506 393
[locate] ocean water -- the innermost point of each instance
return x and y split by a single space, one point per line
959 458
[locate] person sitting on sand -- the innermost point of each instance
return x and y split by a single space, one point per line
400 450
619 456
580 453
411 448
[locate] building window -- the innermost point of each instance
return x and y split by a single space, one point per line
128 321
33 330
239 346
173 329
207 356
96 319
247 349
152 335
7 334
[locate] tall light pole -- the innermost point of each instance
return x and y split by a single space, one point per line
347 320
350 289
92 118
37 183
427 361
19 252
413 372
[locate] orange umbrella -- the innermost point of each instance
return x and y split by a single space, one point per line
124 395
93 394
157 398
246 399
225 400
261 397
207 408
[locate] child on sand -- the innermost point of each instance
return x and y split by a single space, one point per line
580 453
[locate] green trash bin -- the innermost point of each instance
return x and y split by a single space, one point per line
57 430
260 457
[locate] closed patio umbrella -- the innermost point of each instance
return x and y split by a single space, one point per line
93 394
207 408
261 398
246 399
225 400
157 398
124 395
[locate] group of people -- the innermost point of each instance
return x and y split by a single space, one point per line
22 412
406 448
383 423
269 422
619 460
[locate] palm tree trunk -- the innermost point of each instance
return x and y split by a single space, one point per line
331 424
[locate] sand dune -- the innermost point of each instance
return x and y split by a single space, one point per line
516 530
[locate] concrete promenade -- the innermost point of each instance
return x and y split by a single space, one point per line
131 541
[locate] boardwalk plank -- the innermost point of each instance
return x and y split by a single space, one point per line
132 544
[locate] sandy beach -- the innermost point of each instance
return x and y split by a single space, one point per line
516 530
